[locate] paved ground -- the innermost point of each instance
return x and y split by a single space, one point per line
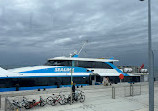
98 98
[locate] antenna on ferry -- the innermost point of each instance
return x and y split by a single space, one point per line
82 47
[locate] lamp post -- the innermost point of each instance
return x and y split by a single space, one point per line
153 62
150 61
72 78
153 55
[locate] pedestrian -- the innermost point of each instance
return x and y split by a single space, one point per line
73 90
106 81
17 87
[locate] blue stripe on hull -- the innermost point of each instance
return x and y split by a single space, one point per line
117 69
44 76
63 69
36 87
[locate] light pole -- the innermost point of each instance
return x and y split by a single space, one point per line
153 62
150 61
153 55
72 70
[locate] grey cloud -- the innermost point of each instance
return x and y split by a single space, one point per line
58 27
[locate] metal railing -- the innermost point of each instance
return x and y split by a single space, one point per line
9 106
126 91
132 90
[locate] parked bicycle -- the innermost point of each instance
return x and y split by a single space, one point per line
77 96
54 100
33 103
16 104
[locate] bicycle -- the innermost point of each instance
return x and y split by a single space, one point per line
54 100
33 103
18 104
77 96
81 97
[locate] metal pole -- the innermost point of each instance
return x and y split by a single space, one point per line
153 63
140 89
130 89
71 79
113 92
5 107
0 101
150 64
151 74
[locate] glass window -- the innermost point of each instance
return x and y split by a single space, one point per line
85 64
92 64
59 63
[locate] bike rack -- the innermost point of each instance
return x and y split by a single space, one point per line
10 104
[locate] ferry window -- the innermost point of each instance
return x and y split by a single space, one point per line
85 64
102 65
59 63
91 64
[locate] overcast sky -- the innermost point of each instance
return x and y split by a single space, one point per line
33 30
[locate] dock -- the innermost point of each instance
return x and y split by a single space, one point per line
98 98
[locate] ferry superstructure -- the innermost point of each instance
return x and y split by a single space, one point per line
57 73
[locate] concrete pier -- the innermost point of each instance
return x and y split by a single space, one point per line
98 98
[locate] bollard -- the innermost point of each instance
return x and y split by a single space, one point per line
113 92
140 89
131 90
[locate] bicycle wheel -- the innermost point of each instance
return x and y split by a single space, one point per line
82 98
63 101
24 103
69 100
43 103
27 105
53 103
49 100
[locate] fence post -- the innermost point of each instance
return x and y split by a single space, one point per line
5 107
113 92
0 101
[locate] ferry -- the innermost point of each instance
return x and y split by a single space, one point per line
57 71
